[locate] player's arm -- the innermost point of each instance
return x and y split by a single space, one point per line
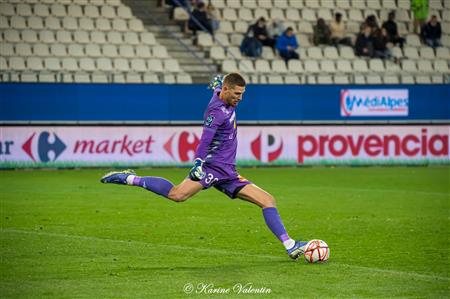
211 123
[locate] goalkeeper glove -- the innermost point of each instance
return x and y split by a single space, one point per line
196 173
216 82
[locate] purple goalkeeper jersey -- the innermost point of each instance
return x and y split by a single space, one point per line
218 144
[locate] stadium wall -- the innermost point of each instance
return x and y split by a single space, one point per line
77 125
164 104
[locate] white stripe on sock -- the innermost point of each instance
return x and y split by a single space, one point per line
288 244
130 179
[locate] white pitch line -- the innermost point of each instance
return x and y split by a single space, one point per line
220 251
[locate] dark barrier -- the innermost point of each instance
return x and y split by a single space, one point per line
164 103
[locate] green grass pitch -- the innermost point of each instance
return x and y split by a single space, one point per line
65 235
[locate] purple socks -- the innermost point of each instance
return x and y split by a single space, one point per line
275 224
157 185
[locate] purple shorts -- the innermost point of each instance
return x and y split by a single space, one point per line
224 178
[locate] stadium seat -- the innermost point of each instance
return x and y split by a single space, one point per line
309 15
7 50
180 14
109 50
28 77
41 49
347 53
107 12
303 40
314 53
155 65
234 53
75 50
327 4
104 64
229 14
126 51
29 36
240 27
138 65
34 64
135 25
114 37
133 78
217 53
391 79
12 35
411 52
204 40
277 14
82 78
119 25
150 78
183 78
234 3
147 38
131 38
327 66
267 53
341 79
304 27
295 66
311 66
265 4
260 12
423 79
291 79
359 79
324 14
437 79
103 25
246 66
279 66
443 53
58 50
355 15
18 22
58 10
330 53
46 77
229 66
373 79
69 23
121 64
143 51
324 79
172 65
245 14
360 65
52 63
222 39
392 67
74 10
7 9
86 24
160 52
292 15
41 10
409 66
275 79
100 78
413 40
441 66
69 64
226 27
81 37
23 49
246 3
407 79
425 66
63 36
344 66
376 65
169 79
262 66
98 37
4 24
91 11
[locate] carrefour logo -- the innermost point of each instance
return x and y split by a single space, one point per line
47 146
374 102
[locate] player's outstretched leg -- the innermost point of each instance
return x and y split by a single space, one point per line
258 196
157 185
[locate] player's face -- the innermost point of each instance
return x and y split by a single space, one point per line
233 95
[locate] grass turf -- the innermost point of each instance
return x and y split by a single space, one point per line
65 235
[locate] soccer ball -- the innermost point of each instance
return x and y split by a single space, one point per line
317 251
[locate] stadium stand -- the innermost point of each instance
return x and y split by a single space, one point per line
110 41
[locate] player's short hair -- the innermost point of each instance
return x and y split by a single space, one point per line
233 79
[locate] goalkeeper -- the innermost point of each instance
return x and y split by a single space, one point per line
215 163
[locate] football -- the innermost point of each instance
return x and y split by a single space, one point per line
317 251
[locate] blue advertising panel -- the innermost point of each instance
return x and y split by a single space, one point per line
41 102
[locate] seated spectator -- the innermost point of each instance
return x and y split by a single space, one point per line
371 21
364 42
251 46
259 31
322 34
200 17
337 29
213 15
276 29
380 40
287 44
431 33
391 27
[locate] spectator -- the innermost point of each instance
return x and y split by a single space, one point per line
261 34
250 45
431 33
337 29
420 12
200 17
276 29
380 40
364 42
287 44
371 21
322 33
392 32
213 15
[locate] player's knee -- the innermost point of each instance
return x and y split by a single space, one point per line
269 201
178 196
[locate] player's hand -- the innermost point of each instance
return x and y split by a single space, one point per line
216 82
197 173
